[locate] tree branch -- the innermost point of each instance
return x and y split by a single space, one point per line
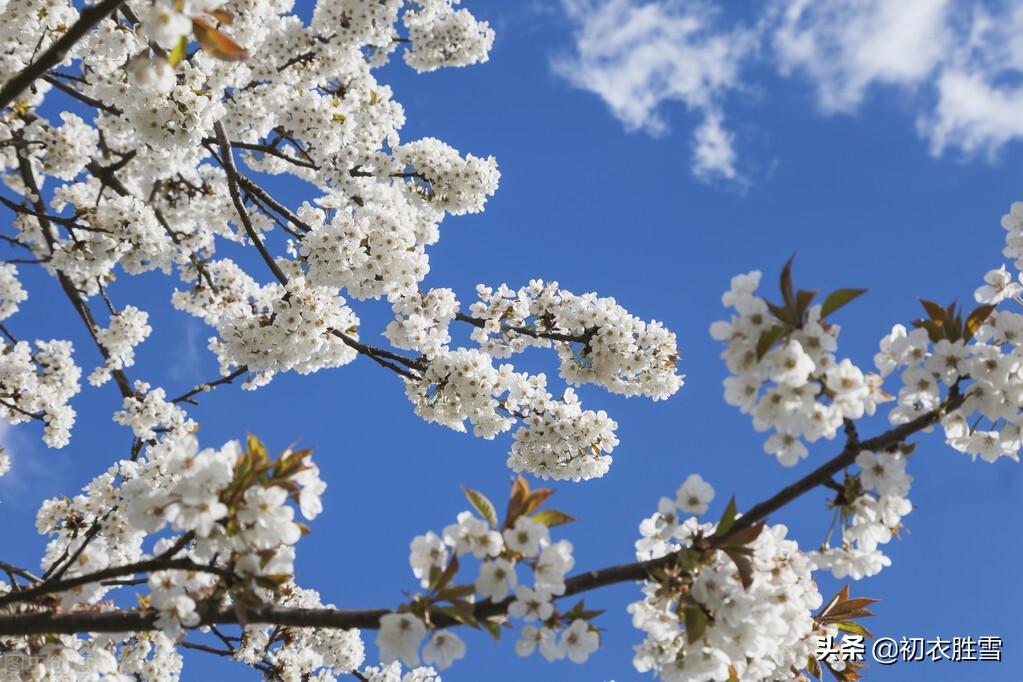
227 161
54 55
369 619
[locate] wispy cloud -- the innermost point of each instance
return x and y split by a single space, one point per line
639 56
188 363
958 62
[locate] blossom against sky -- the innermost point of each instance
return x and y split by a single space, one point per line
879 167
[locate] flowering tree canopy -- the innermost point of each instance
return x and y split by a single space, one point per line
172 115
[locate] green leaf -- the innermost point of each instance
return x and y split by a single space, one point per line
481 504
217 43
783 314
788 293
854 628
517 501
976 319
803 301
458 613
743 564
537 498
441 579
935 311
456 592
727 519
696 622
839 298
493 628
553 517
813 667
745 536
178 53
766 340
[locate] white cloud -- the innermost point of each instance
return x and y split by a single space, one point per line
958 63
637 57
713 153
845 46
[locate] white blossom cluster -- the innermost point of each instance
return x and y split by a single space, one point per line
986 371
557 438
443 36
314 652
294 333
760 632
127 329
609 347
150 656
142 185
248 531
38 383
876 515
797 388
421 321
526 543
12 294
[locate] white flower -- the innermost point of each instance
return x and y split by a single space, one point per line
164 25
848 388
695 495
579 641
399 637
998 288
474 535
443 649
786 447
533 636
427 552
496 578
790 365
530 604
527 536
553 563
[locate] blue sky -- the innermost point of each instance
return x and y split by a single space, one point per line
594 200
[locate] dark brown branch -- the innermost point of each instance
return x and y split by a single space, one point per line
55 54
20 572
381 356
369 619
81 96
157 564
263 196
28 177
202 388
535 333
227 161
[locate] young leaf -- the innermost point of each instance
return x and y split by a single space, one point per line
553 517
788 293
517 501
854 628
935 311
803 301
481 504
746 535
743 564
696 622
444 577
492 628
976 319
727 519
178 53
766 341
217 43
839 298
536 498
